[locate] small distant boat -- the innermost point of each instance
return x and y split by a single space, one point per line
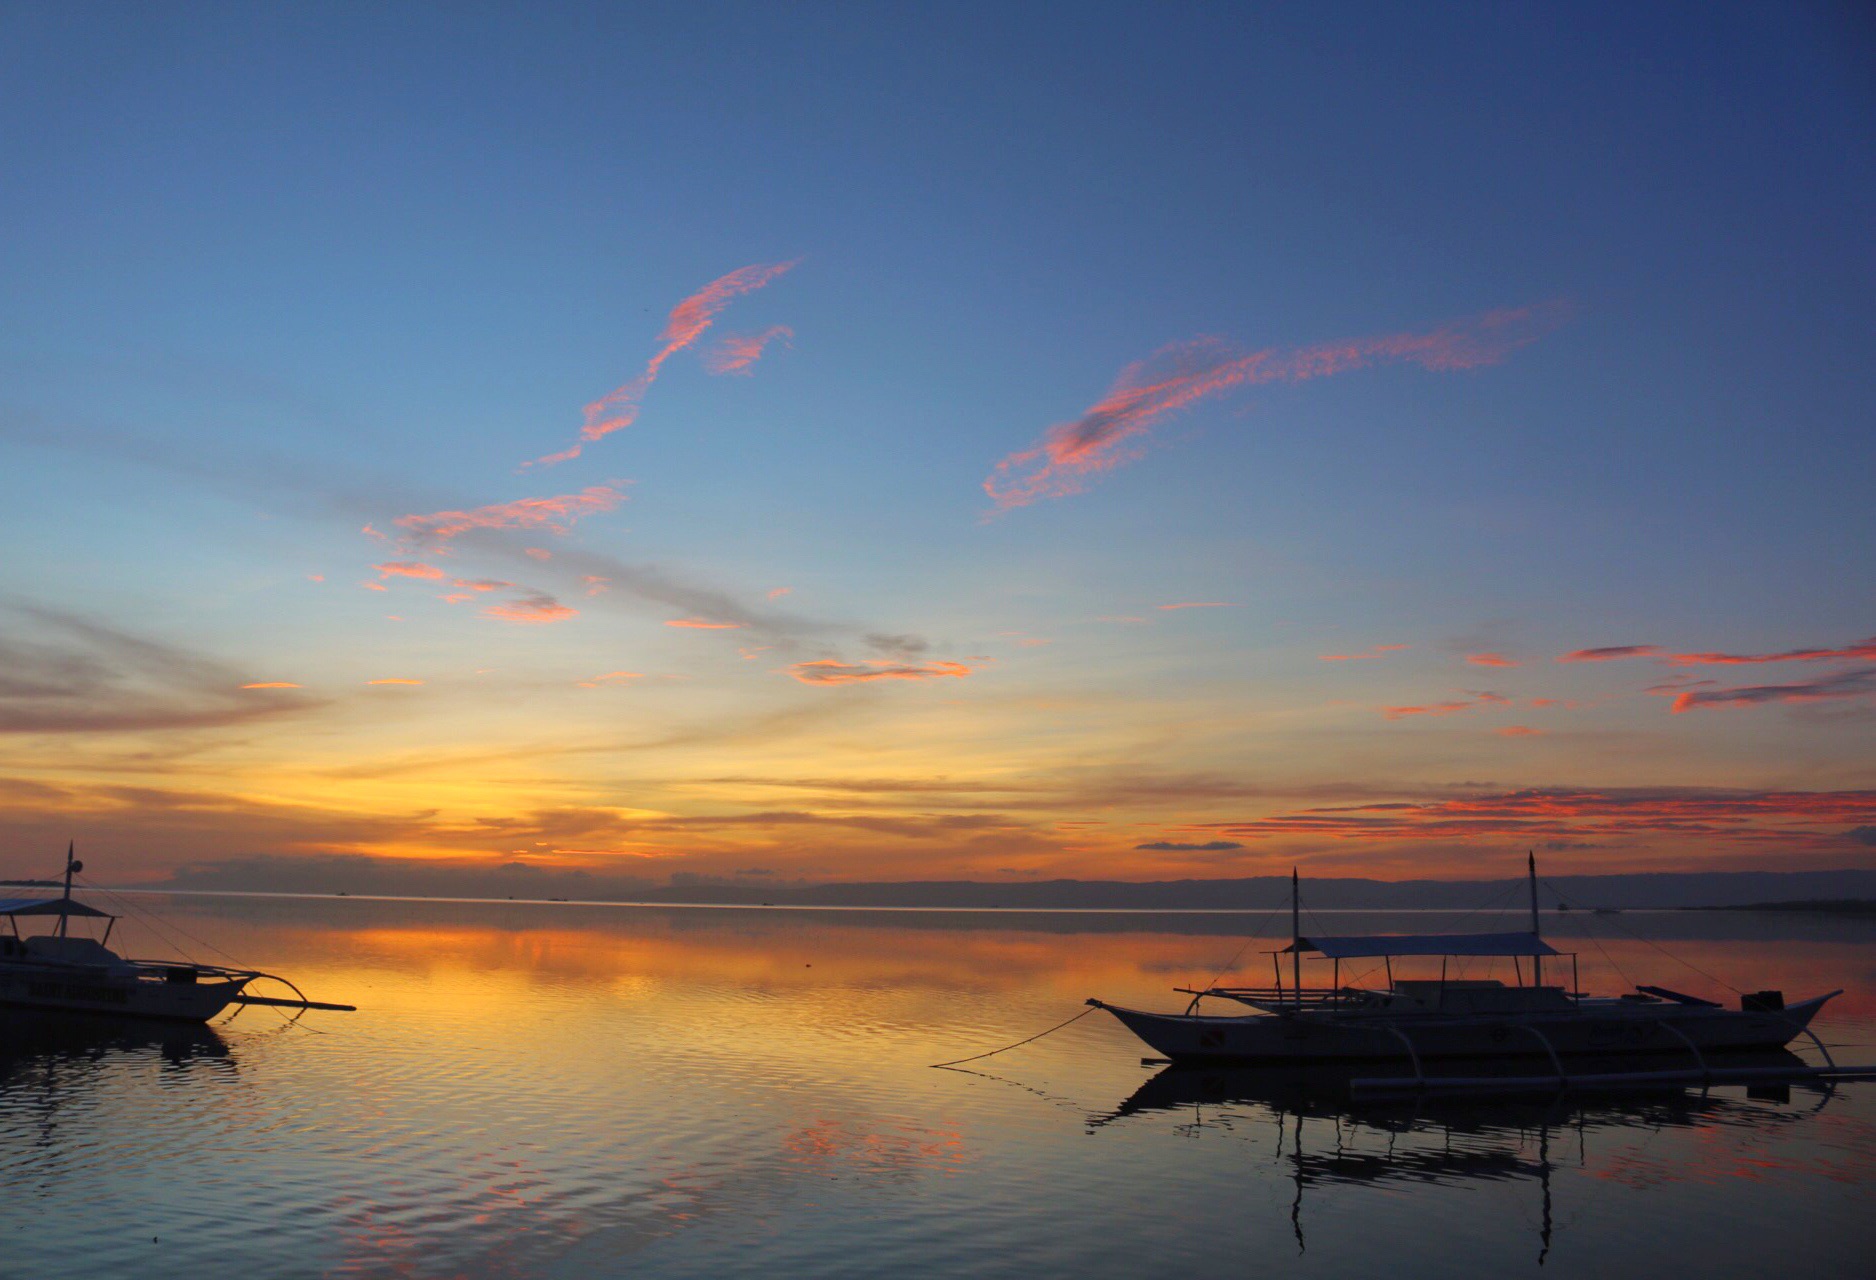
60 971
1448 1017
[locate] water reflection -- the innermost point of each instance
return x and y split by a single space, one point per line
1450 1141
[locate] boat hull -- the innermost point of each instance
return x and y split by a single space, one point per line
1327 1037
58 989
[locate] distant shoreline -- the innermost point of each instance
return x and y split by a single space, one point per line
1814 906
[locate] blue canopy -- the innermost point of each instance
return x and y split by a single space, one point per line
49 907
1426 944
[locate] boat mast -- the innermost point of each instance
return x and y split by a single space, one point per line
1537 961
1296 941
72 865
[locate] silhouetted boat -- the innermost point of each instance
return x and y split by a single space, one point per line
61 972
1420 1019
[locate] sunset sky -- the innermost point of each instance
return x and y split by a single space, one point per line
782 442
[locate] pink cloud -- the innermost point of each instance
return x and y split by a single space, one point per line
481 584
537 553
1854 683
393 680
776 593
374 586
1379 650
535 608
271 684
1863 650
407 569
596 585
315 577
1433 709
738 351
556 515
1113 431
702 624
832 671
1611 653
1492 660
1519 731
610 677
687 322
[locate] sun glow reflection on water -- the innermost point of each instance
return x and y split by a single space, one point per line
570 1090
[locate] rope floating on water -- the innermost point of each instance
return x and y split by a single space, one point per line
1020 1043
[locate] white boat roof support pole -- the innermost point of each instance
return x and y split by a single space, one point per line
1537 961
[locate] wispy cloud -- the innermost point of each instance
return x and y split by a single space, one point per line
1612 653
833 671
1862 650
688 321
61 673
776 593
1113 430
610 677
702 624
554 514
1175 846
1198 604
481 584
738 351
271 684
535 608
1518 731
1854 683
1777 818
1492 660
393 680
408 569
1378 651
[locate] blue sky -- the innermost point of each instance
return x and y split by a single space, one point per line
276 274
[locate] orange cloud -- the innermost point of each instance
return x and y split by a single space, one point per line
315 577
595 585
1198 604
1375 652
1863 650
555 514
1519 731
374 586
1492 660
534 608
776 593
537 553
408 569
701 624
481 584
1854 683
1611 653
737 352
832 671
271 684
610 677
1113 430
687 322
393 680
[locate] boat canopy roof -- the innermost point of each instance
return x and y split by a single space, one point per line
1426 944
49 907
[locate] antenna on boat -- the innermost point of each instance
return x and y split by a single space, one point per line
1296 940
1537 961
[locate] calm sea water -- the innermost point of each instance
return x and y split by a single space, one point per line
586 1091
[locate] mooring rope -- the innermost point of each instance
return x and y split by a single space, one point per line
1020 1043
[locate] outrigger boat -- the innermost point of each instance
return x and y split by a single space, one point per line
1445 1017
65 972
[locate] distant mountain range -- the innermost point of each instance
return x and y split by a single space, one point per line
356 875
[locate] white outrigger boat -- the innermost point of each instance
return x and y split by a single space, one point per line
1445 1017
65 972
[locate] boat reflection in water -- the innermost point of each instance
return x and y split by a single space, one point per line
30 1037
1329 1134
